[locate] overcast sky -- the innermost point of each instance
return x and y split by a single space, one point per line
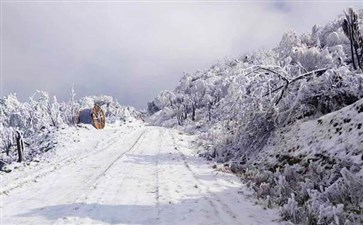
132 51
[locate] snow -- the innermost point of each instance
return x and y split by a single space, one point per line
284 120
337 135
313 168
127 174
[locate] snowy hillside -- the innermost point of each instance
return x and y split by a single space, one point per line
314 167
337 136
263 113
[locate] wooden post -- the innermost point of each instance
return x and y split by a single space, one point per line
20 146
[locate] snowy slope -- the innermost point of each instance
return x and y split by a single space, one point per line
253 113
335 136
314 169
129 174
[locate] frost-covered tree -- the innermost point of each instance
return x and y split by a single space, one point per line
352 31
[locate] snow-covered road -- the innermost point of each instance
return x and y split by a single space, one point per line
131 174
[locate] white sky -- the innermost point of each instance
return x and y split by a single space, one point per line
133 50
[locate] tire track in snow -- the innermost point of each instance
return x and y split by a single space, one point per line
109 144
211 203
126 174
157 189
106 186
94 182
101 196
88 187
56 166
64 160
225 206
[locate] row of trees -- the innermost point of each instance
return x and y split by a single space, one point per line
191 95
305 76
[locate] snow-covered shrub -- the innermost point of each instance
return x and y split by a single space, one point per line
7 139
291 210
317 197
113 110
70 109
313 58
40 117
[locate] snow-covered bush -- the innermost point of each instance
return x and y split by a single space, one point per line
40 117
113 110
7 138
317 197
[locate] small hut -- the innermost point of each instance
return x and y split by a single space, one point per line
94 116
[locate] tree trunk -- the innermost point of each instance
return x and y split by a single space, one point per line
351 34
20 146
356 48
209 111
193 112
352 49
8 149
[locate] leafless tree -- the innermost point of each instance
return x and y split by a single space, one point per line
351 30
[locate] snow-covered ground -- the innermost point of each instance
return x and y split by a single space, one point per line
336 136
126 174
